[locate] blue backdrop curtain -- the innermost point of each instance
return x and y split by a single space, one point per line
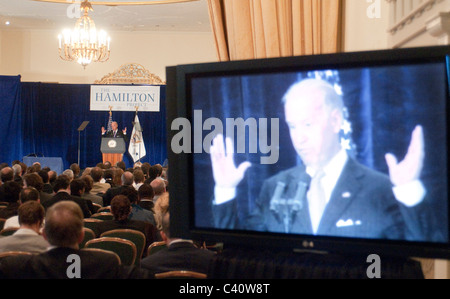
43 118
10 119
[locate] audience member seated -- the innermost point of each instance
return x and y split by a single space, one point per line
108 176
117 180
161 207
64 231
69 174
152 174
62 189
159 187
47 187
121 165
137 212
98 187
76 170
77 189
121 209
35 180
88 181
17 170
127 180
52 175
6 174
27 238
145 197
138 178
26 194
180 254
9 192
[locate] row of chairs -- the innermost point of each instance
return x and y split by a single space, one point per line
178 274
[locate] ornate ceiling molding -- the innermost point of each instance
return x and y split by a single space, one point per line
131 73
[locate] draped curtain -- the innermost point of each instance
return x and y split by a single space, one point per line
10 118
248 29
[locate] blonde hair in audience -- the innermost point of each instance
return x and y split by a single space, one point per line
161 208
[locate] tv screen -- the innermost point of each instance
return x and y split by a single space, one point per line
340 152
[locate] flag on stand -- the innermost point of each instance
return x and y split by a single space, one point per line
136 147
109 127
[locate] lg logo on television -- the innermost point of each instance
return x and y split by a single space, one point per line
374 9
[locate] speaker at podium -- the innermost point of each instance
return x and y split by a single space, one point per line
112 149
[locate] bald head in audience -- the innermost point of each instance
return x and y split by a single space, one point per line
64 225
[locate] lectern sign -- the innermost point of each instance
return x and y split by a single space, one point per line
125 98
112 143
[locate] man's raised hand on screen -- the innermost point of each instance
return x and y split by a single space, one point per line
225 172
405 175
410 168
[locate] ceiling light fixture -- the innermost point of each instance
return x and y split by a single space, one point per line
84 44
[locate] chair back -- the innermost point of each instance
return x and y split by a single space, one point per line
8 231
125 249
13 253
92 223
104 209
103 216
88 235
135 236
155 247
2 223
180 274
105 251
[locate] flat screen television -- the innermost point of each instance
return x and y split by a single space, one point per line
247 137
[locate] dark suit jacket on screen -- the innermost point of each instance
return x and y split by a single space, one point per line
362 204
53 265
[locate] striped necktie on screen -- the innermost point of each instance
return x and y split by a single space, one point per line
316 199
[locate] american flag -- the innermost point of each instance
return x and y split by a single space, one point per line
109 127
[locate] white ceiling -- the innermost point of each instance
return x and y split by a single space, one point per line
29 14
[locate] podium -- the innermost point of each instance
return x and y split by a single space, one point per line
112 149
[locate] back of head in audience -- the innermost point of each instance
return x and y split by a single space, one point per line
69 173
10 192
96 174
64 224
62 182
88 182
130 192
29 194
33 180
76 169
159 186
146 191
127 178
120 207
6 174
77 187
31 213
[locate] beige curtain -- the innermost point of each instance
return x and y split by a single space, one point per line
247 29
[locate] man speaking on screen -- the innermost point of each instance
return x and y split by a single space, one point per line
331 193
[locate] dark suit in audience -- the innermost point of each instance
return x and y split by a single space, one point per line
180 254
127 180
64 230
62 188
10 193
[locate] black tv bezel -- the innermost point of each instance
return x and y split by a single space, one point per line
181 165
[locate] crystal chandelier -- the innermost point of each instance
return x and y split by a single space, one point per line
84 44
